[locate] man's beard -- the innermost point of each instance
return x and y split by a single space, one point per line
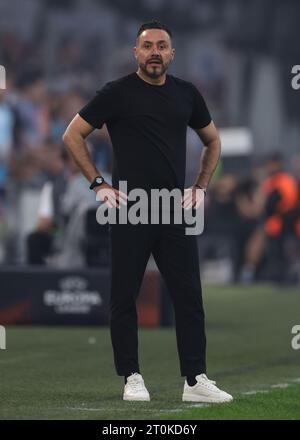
153 72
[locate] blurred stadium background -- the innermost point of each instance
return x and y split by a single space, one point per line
54 266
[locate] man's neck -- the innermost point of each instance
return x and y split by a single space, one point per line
157 81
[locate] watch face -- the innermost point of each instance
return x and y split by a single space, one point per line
99 179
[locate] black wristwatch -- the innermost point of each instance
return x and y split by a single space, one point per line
97 182
201 187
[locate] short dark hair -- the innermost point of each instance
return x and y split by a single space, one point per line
154 24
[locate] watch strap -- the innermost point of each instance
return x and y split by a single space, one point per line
97 182
201 187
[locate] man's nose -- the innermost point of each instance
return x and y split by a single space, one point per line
154 51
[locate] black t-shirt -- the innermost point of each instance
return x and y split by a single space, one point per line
147 125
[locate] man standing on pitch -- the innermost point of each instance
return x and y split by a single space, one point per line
147 114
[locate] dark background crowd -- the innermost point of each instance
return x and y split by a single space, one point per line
240 56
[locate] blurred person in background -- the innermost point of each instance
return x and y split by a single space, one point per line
147 113
7 125
40 242
281 198
63 201
63 108
273 207
218 242
296 170
294 242
220 208
249 234
29 101
63 105
7 122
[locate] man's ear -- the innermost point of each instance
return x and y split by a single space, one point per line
134 52
173 53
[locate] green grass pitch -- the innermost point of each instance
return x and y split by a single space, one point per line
68 372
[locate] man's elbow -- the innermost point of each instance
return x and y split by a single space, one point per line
69 139
214 143
66 137
72 135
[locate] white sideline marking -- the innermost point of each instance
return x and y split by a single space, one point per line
280 385
198 405
253 392
106 409
85 409
297 380
174 410
183 408
194 405
276 385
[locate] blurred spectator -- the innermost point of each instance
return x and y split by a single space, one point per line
220 208
282 193
249 235
31 125
63 204
30 105
296 169
63 108
217 243
267 246
6 137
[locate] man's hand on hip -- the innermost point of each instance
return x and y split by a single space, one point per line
193 197
111 196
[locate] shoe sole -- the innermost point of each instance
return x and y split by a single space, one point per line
204 399
136 399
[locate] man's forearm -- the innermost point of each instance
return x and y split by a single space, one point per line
79 150
209 160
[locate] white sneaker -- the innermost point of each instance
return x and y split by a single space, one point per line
204 390
135 389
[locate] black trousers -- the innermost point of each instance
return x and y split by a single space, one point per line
176 256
